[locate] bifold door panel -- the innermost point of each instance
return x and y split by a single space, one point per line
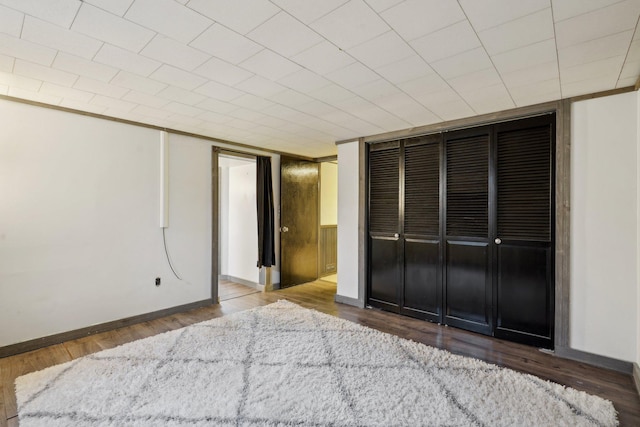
461 228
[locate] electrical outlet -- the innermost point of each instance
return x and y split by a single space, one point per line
157 281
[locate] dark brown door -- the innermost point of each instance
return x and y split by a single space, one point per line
467 283
298 221
524 232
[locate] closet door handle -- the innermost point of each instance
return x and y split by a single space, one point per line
498 240
396 235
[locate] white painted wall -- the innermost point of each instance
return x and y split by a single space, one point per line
348 196
79 237
604 226
243 223
328 193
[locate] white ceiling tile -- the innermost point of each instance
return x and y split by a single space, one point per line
634 51
259 86
387 48
6 63
291 98
521 32
489 99
447 42
125 60
352 75
28 51
4 90
241 124
316 108
350 24
143 110
118 7
183 109
452 110
176 77
426 84
108 102
586 86
81 106
564 9
532 74
185 120
463 63
171 52
40 72
331 94
222 71
219 91
482 78
90 85
110 28
416 18
491 13
304 81
323 58
53 36
83 67
599 23
215 118
285 35
137 83
59 12
630 69
177 94
536 93
433 99
376 89
226 44
34 96
246 114
145 99
602 68
309 11
11 21
239 15
271 121
382 5
416 114
168 18
626 82
525 57
21 82
252 102
270 65
65 92
407 69
602 48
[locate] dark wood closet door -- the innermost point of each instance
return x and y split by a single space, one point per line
467 283
385 257
421 234
524 233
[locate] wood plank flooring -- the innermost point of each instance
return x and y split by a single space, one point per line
229 290
617 387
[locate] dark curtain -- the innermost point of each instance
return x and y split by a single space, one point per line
264 193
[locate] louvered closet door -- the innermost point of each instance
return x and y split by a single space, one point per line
422 289
467 283
524 236
384 226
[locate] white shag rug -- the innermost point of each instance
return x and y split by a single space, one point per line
284 365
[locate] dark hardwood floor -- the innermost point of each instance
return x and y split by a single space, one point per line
617 387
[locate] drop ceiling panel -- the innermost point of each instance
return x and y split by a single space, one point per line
261 87
20 82
382 5
309 11
104 26
169 51
525 57
602 68
126 60
425 84
241 16
84 67
352 75
564 9
135 82
176 77
323 58
59 12
100 88
304 81
145 99
65 92
117 7
407 69
535 73
168 18
11 21
177 94
222 71
226 44
19 48
463 63
387 48
598 23
33 96
58 38
118 104
6 63
486 77
350 24
251 101
285 35
219 91
520 32
415 18
448 42
602 48
40 72
492 13
270 65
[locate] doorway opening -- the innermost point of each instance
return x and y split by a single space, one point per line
238 274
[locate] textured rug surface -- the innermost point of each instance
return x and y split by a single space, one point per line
283 365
